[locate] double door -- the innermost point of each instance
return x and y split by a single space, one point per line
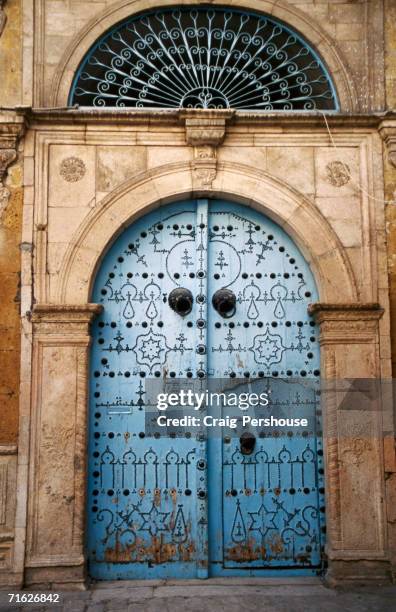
206 295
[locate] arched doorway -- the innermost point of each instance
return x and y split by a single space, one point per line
172 503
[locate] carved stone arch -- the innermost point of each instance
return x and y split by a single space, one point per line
285 205
289 14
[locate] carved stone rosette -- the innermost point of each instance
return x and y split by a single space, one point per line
349 338
56 510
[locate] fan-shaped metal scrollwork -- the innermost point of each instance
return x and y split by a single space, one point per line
203 58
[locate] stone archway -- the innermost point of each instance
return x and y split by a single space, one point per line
60 363
283 11
285 205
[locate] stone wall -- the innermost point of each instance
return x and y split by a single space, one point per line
10 336
11 43
11 198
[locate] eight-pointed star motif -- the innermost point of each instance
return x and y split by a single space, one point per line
151 349
262 520
267 348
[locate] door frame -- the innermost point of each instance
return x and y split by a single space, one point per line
61 335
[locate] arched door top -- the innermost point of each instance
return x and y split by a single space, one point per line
203 57
289 16
297 215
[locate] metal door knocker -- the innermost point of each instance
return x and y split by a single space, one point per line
181 301
224 301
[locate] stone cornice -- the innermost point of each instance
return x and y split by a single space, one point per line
192 118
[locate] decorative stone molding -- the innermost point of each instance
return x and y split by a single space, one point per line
55 313
3 17
206 129
387 130
347 323
205 132
54 319
204 166
11 129
55 537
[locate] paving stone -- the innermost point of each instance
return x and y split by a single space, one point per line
134 594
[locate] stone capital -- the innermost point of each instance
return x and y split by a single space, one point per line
347 323
387 130
64 320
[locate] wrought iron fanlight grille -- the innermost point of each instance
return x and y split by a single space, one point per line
203 58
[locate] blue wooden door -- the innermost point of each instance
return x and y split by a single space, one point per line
166 505
272 499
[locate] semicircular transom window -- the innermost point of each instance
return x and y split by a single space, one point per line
203 58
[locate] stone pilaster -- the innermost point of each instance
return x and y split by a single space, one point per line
353 437
57 483
8 456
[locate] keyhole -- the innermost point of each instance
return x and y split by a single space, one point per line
247 442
